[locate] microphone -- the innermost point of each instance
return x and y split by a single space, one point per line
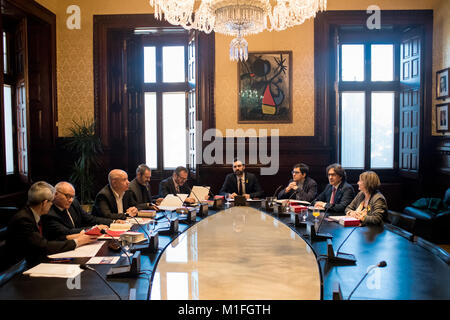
314 234
276 192
337 252
209 191
279 209
182 202
381 264
103 231
86 267
339 257
153 240
190 190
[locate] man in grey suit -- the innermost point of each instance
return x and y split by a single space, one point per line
139 194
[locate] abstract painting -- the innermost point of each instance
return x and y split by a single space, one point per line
265 88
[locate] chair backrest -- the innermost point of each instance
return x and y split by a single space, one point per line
402 221
447 198
6 275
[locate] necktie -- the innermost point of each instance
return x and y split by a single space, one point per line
332 195
241 187
40 227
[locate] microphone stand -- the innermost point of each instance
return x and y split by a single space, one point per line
339 258
381 264
280 208
202 211
315 235
131 270
153 239
86 267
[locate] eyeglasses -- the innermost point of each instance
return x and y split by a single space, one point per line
181 178
67 195
296 172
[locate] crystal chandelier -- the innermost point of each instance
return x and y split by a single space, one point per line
237 17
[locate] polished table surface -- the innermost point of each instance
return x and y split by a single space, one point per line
240 253
413 271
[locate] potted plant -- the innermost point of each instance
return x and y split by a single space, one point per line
86 146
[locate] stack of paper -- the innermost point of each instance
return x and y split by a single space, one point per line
52 270
88 251
120 226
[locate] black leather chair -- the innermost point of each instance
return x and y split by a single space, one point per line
402 221
432 224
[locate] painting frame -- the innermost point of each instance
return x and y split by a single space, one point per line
265 88
442 118
442 82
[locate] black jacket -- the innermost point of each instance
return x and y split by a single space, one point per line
105 205
167 186
57 224
23 240
138 195
343 197
252 186
307 193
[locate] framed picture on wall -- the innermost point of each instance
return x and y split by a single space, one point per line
442 84
442 117
265 88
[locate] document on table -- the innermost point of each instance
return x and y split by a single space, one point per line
172 202
103 260
87 251
54 270
202 193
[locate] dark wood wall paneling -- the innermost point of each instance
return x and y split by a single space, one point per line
41 38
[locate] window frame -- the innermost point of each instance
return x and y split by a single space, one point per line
159 87
368 87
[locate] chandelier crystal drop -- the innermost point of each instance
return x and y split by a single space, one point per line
237 17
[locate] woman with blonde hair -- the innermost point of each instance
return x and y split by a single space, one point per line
369 205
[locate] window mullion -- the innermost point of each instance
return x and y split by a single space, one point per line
368 100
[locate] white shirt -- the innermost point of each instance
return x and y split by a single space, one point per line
118 200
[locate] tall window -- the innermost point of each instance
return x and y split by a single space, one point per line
165 98
367 86
8 109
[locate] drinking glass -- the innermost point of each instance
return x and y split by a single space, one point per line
316 214
304 214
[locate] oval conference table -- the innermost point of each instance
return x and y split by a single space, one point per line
240 253
248 253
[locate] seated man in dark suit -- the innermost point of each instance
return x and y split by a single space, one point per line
66 218
110 201
301 183
138 194
338 194
24 237
241 183
176 184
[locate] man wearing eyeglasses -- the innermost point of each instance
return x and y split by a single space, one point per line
338 194
241 182
176 184
66 219
301 183
110 201
24 238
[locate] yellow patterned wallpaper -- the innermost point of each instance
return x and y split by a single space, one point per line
441 50
75 61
